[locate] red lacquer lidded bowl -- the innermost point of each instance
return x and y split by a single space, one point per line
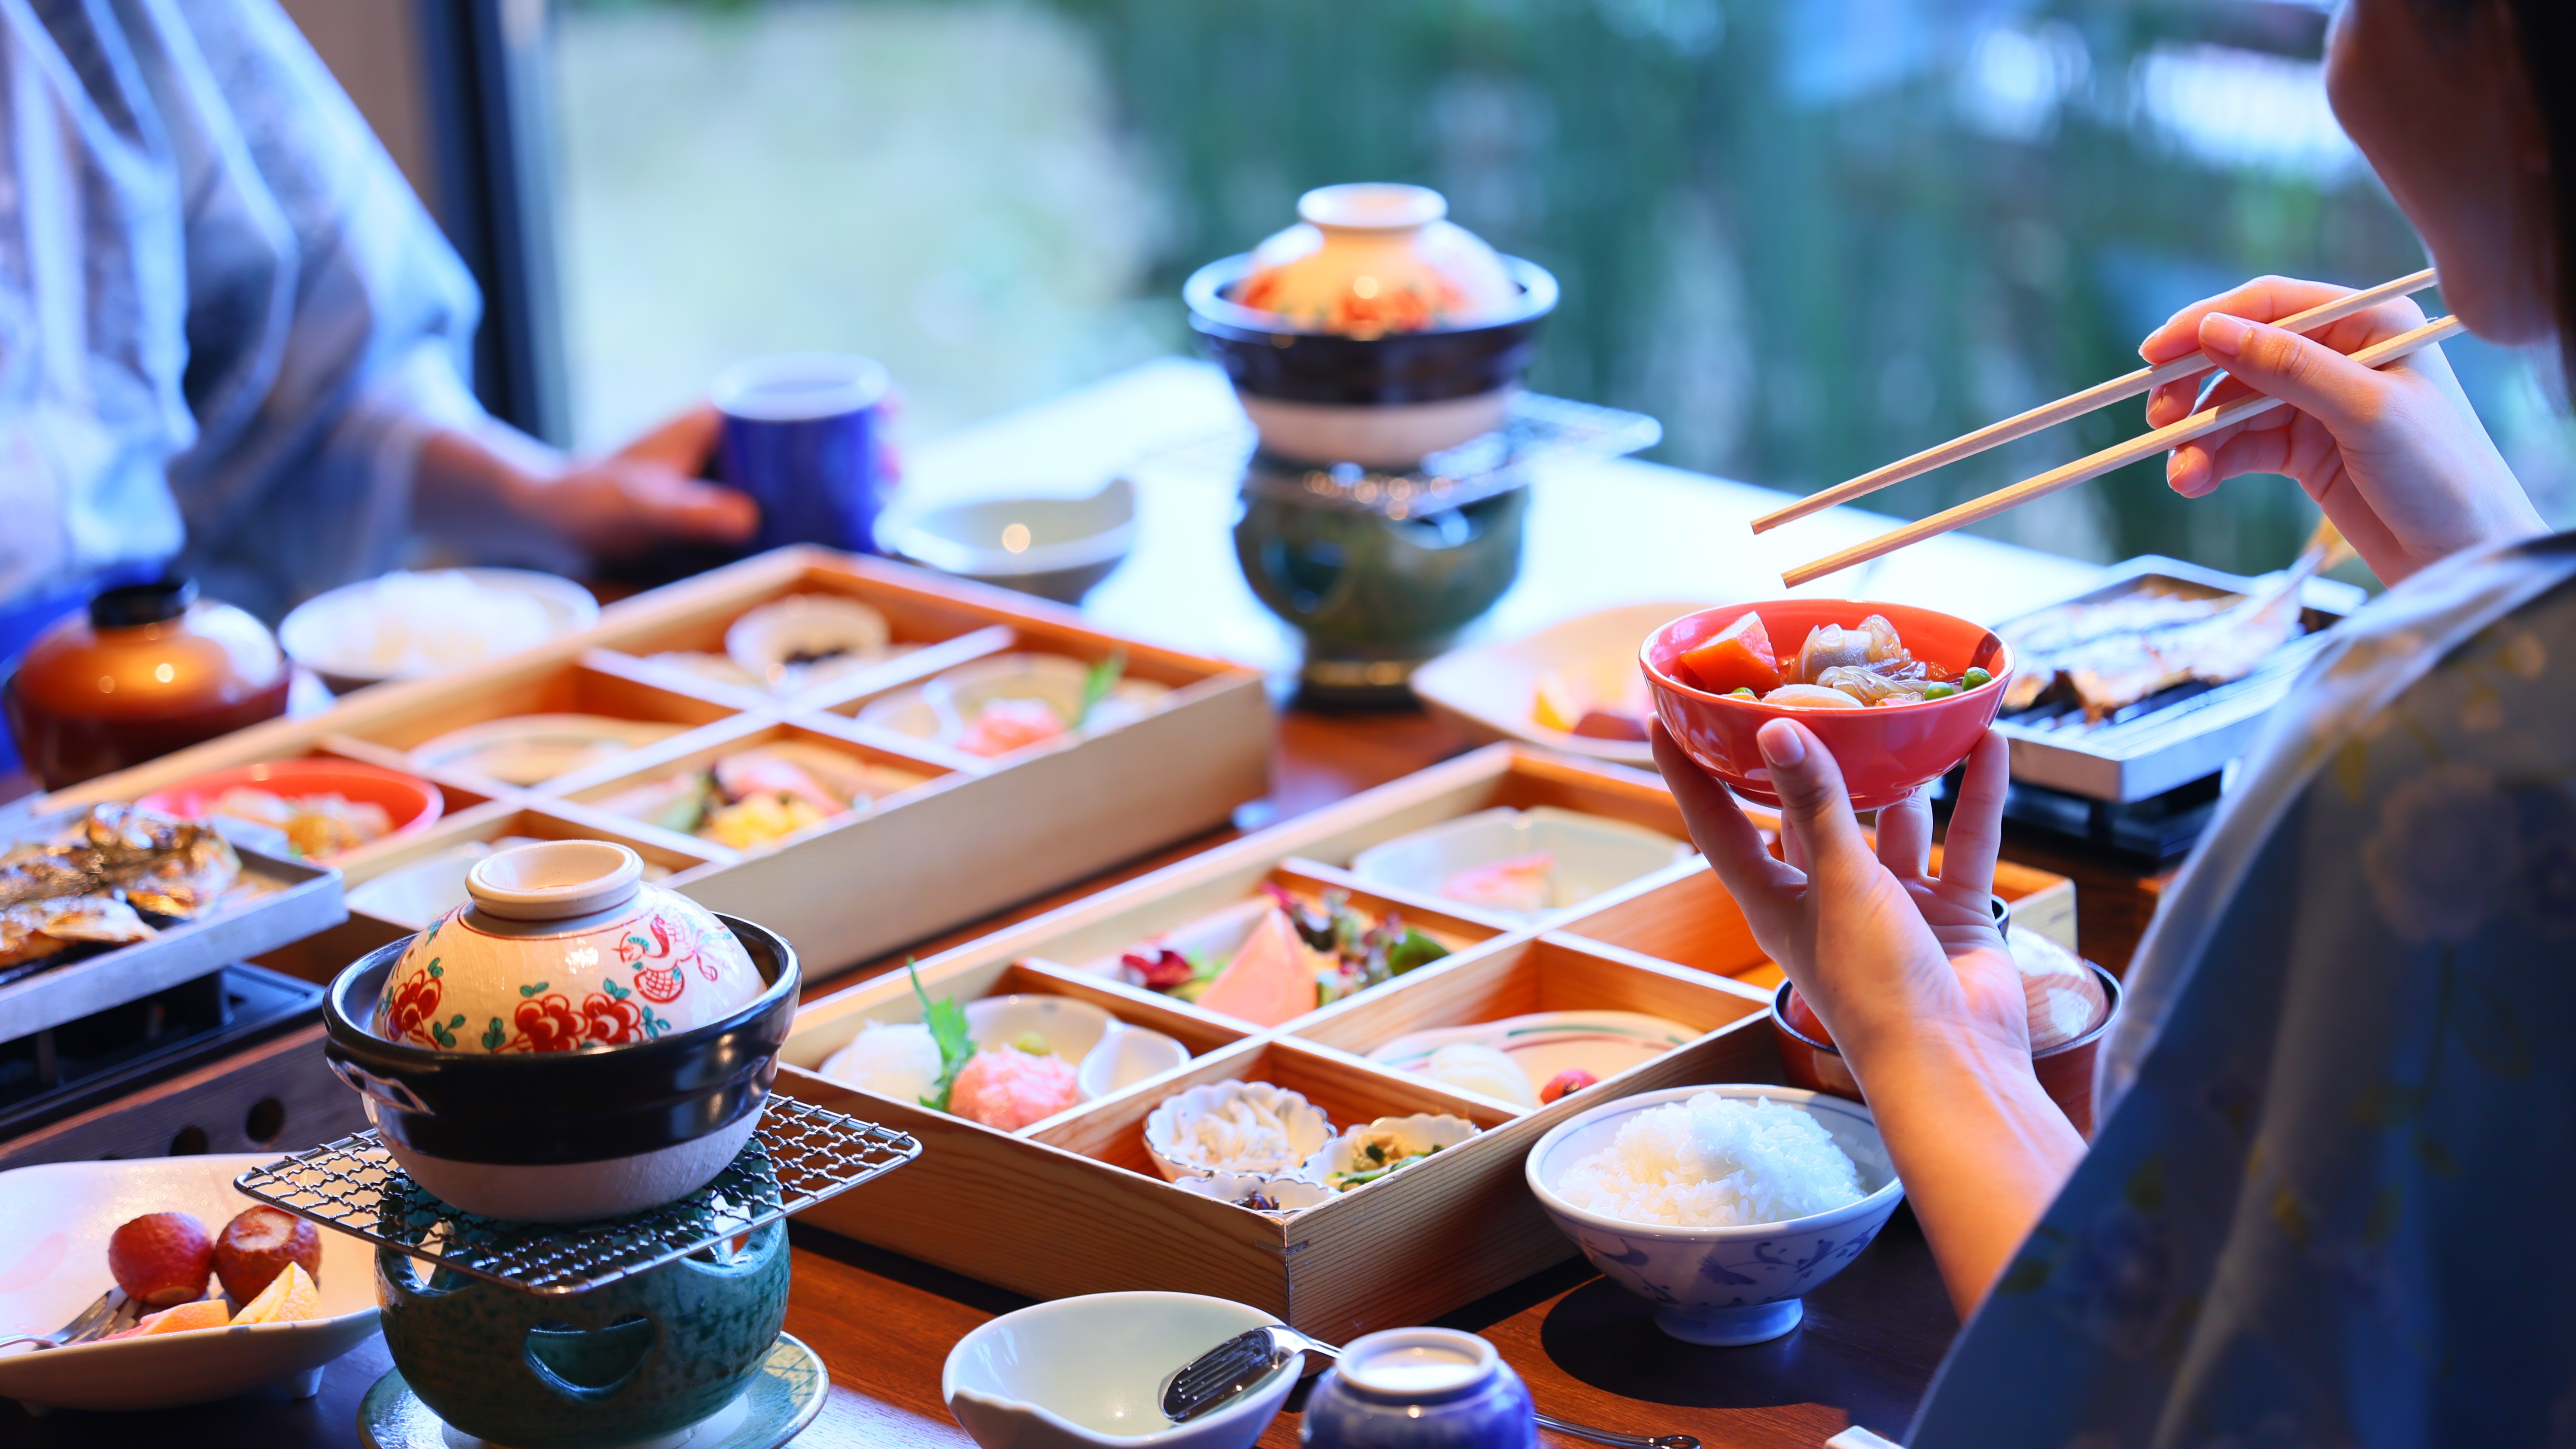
1886 751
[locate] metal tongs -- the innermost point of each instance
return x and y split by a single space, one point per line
1223 1373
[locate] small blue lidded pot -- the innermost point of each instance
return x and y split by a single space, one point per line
1419 1388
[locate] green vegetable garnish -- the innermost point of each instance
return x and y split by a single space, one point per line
1975 677
1096 684
1939 691
947 1023
1742 691
1416 949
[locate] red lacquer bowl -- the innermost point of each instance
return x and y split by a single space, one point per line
414 804
1886 751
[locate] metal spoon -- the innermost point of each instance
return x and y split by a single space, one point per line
1217 1376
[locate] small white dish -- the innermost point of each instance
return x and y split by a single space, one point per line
1721 1286
1421 1132
1069 1028
534 748
804 640
941 709
1056 548
1293 1194
1488 691
406 626
1591 855
1088 1373
53 1264
1169 1126
1125 1057
1547 1043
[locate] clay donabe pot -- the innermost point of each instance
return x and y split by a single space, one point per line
566 1136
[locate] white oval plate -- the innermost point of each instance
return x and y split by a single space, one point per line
1593 854
531 749
1546 1043
53 1264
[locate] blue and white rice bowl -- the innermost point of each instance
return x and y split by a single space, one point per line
1721 1286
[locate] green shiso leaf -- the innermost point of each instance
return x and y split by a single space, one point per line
1096 684
947 1023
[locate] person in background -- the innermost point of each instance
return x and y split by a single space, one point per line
2328 1200
231 336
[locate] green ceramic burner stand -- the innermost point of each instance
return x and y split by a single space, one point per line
629 1360
1376 595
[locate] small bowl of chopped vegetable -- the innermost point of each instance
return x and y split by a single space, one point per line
1900 695
1362 1155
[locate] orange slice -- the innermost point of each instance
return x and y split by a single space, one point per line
289 1297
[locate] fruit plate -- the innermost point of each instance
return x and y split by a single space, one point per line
1490 691
54 1264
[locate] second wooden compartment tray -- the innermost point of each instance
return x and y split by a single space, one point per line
946 837
1073 1204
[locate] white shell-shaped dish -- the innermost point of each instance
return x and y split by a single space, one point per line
1309 1130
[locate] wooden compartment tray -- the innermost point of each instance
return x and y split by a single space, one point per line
946 838
1073 1204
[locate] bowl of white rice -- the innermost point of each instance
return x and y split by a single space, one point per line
1723 1206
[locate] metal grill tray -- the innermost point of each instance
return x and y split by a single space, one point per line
801 1155
277 901
2183 734
1480 468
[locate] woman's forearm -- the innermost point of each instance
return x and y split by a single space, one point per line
1981 1149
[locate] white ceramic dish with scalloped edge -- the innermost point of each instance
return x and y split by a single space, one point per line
53 1264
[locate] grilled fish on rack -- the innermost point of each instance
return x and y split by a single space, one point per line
89 886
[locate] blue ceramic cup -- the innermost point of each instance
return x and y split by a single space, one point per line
800 436
1419 1388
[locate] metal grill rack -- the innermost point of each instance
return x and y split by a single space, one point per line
1539 426
800 1155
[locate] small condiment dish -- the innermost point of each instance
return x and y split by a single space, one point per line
1423 1132
1088 1373
1590 854
1055 548
805 639
1169 1126
1292 1194
1730 1285
1886 752
411 803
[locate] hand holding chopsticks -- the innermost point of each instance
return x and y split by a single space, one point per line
2199 424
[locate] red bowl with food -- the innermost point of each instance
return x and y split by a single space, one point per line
318 809
1720 674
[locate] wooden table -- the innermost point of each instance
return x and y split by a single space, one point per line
1873 1336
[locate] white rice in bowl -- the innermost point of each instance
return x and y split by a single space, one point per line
1715 1162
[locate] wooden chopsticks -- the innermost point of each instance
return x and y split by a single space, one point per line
2137 449
2100 395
